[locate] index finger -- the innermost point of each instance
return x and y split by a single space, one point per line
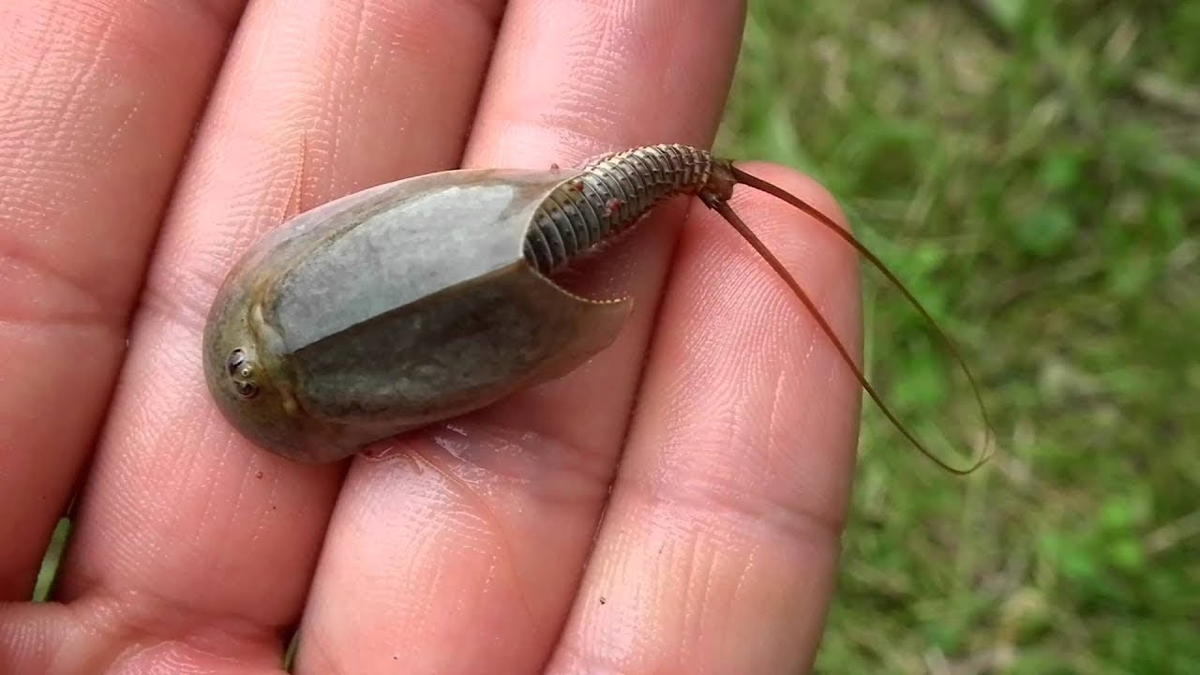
719 545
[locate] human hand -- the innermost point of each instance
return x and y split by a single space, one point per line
722 418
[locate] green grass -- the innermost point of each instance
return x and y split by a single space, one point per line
1031 170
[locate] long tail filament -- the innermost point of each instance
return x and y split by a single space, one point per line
722 207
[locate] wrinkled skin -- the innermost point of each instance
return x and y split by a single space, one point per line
671 506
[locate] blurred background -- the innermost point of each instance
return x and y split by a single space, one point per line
1031 170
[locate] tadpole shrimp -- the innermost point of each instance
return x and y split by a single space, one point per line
427 298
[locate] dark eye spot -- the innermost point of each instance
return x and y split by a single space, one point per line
246 389
236 358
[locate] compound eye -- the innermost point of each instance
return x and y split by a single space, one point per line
237 358
241 370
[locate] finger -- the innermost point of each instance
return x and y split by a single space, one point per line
317 99
97 101
718 549
465 558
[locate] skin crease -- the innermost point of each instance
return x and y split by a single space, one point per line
715 436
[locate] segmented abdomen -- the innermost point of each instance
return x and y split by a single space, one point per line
609 196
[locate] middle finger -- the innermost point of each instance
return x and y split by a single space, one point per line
469 562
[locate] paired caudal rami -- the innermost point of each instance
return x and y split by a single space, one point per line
427 298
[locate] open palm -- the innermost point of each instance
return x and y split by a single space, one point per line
674 506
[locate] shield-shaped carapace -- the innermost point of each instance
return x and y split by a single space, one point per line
427 298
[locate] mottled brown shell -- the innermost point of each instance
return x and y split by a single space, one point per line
392 308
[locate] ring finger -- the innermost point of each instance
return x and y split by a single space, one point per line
316 99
